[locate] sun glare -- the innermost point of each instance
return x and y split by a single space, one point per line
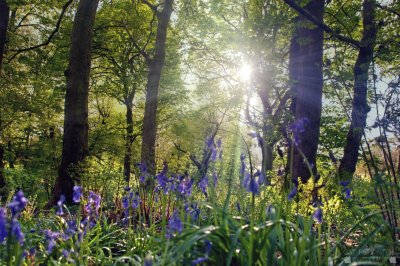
245 72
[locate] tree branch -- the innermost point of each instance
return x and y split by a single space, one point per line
64 9
321 24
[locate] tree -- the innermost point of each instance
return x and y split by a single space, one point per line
360 106
4 17
305 71
75 139
155 65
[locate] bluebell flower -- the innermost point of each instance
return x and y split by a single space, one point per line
203 185
127 188
143 171
135 201
195 213
60 204
77 193
253 134
175 223
219 143
162 177
51 238
3 225
251 184
346 189
185 187
199 260
65 253
318 215
344 183
210 141
347 192
93 204
18 203
213 154
297 128
292 193
215 178
16 231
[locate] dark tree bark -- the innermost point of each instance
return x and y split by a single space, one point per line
155 66
360 106
129 136
75 140
4 17
305 69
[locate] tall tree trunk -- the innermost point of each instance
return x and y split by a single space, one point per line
3 193
75 140
155 66
4 17
360 106
129 140
306 74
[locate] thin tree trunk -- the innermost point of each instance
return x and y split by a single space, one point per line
4 17
3 193
75 140
128 141
360 106
155 66
306 73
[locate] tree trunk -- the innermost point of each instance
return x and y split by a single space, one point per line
306 74
75 140
128 141
360 106
3 193
4 17
155 66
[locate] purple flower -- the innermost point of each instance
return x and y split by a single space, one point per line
175 223
127 189
292 193
213 154
60 203
76 197
203 185
219 143
318 215
344 183
3 224
347 192
297 128
346 189
162 177
143 171
251 184
18 203
93 205
253 134
215 178
51 239
16 231
199 261
210 141
135 201
185 186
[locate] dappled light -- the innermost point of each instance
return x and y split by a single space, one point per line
175 132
